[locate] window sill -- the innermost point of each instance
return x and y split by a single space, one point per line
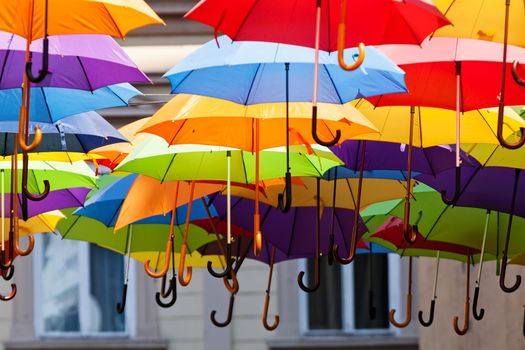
380 342
88 344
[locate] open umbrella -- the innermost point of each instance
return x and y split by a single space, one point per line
86 62
390 235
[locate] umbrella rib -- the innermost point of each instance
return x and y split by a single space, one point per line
77 217
428 161
113 21
4 64
46 104
333 84
436 221
85 73
251 85
244 20
167 168
420 126
176 133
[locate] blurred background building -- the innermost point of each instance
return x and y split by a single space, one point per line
67 291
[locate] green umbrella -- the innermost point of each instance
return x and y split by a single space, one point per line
60 175
155 158
479 229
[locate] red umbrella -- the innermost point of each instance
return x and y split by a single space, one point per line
452 73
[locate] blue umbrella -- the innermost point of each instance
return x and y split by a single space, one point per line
77 133
48 105
254 72
104 205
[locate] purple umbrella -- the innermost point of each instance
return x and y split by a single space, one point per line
59 199
493 188
86 62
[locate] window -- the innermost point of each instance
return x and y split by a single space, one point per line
77 287
340 305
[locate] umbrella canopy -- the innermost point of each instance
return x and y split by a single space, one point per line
293 22
389 156
86 62
48 105
496 155
61 175
431 72
483 20
78 133
112 17
104 205
390 235
305 192
250 73
156 159
205 120
432 126
41 223
293 232
57 199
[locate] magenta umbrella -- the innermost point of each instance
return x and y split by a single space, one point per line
457 74
86 62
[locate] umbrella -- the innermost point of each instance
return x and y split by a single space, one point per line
492 21
78 133
390 235
452 66
294 22
86 62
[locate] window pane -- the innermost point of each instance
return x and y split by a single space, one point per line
106 282
60 285
378 275
325 306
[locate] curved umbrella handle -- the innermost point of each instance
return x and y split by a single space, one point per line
229 264
166 265
172 290
334 141
122 306
466 312
11 295
371 308
44 71
341 36
516 75
33 145
163 291
430 317
501 139
28 250
516 284
275 324
457 190
317 278
228 318
478 316
234 287
285 206
408 314
184 281
25 191
5 265
8 272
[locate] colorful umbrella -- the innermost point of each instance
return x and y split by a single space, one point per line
86 62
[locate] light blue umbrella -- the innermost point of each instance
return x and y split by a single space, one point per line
254 72
48 105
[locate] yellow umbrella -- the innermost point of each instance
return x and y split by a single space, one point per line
496 155
41 223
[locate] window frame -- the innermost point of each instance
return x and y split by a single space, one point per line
84 287
348 322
